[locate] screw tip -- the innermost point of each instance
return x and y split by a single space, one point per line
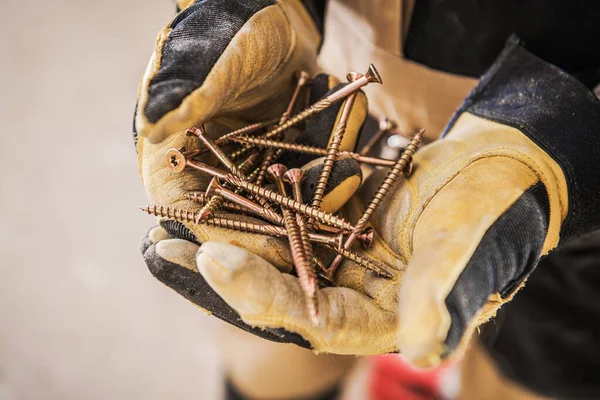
212 187
202 215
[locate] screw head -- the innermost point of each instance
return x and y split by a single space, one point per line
175 159
373 75
213 186
366 238
294 175
303 78
196 131
277 171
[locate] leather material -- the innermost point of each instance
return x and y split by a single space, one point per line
452 179
172 261
506 255
545 339
558 113
247 46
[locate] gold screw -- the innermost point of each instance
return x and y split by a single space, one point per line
210 144
370 76
294 177
216 189
269 158
201 198
316 151
262 229
363 262
178 162
384 188
333 241
334 147
304 267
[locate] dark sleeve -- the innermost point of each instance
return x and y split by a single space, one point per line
555 110
546 339
316 8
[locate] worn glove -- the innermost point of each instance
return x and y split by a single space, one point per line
226 64
233 59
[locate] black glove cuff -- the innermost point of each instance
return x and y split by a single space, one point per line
193 287
506 255
554 110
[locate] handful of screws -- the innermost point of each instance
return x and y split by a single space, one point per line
240 189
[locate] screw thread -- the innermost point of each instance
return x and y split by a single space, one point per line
292 147
312 150
264 166
227 138
245 166
332 152
243 226
315 108
170 212
391 178
363 262
290 203
240 152
209 208
202 199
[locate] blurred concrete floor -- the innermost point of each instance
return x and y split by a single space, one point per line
80 316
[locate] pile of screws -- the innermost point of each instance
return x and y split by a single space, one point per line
240 188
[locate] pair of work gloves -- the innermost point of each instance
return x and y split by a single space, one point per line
463 231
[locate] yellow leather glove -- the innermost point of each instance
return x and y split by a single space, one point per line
481 194
232 59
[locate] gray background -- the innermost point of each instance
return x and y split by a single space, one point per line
80 315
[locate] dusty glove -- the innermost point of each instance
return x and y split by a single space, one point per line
464 231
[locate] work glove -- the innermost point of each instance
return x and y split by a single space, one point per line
224 65
463 232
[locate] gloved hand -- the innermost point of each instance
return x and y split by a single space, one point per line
226 64
234 59
464 231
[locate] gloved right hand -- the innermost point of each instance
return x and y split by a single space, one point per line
225 58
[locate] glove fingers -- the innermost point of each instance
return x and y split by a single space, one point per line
178 251
350 322
458 245
191 285
212 58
